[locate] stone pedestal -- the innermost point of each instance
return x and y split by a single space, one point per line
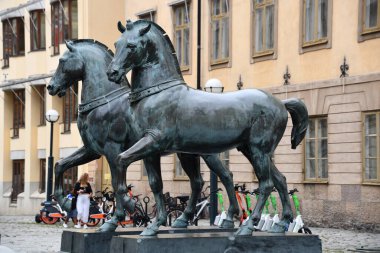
217 242
90 241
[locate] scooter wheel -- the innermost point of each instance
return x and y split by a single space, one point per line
304 230
37 218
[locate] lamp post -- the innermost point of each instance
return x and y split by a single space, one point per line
51 116
213 86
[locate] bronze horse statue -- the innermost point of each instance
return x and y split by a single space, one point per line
176 118
106 124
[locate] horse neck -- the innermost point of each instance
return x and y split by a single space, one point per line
95 80
161 68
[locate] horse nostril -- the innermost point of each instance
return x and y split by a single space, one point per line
48 87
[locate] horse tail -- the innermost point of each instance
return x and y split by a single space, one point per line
300 119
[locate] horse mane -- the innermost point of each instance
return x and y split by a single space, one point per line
94 42
166 38
100 45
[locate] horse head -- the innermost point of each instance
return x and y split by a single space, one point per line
133 49
69 71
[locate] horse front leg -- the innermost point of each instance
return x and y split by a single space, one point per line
81 156
143 148
153 169
191 166
119 186
216 165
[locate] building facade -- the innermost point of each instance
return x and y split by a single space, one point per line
315 50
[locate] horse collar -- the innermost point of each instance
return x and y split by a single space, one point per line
94 103
146 92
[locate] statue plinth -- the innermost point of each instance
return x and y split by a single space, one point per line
193 239
218 242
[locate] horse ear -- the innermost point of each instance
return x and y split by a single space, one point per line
144 30
70 45
120 27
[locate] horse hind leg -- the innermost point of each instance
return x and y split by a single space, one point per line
190 164
262 166
279 181
216 165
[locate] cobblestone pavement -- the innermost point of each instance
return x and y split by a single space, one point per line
23 235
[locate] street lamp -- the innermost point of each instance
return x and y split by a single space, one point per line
214 86
51 116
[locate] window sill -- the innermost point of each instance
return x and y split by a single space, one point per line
41 125
371 183
181 179
369 34
316 182
37 50
315 45
263 56
66 132
5 67
220 64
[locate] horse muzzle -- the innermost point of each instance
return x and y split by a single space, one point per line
115 75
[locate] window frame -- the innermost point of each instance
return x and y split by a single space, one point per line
20 165
149 15
69 174
186 69
70 103
18 111
364 180
317 44
15 44
40 32
220 62
42 104
42 182
266 54
183 176
363 33
317 179
58 36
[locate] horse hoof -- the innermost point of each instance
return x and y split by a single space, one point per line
109 226
179 223
227 224
244 230
151 230
279 227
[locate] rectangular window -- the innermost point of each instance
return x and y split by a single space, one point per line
42 184
18 111
263 27
179 173
13 39
371 17
316 25
64 22
37 30
371 163
316 150
144 173
41 89
70 177
148 15
182 34
70 107
18 174
225 158
220 31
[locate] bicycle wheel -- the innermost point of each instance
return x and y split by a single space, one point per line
304 230
139 218
173 215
